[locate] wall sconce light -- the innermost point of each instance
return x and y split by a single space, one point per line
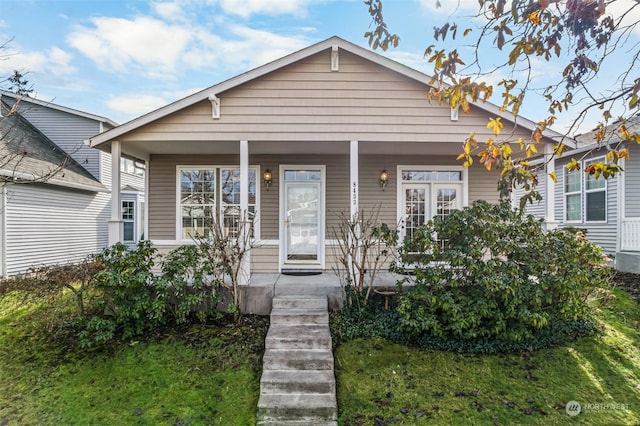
384 177
266 177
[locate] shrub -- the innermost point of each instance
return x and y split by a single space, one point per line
187 284
127 294
47 284
490 272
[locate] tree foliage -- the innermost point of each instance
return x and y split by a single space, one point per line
584 35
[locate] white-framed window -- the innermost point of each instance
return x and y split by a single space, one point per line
230 213
131 166
128 221
572 195
212 193
585 197
595 196
428 192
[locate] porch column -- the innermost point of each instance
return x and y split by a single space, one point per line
549 189
115 228
353 168
245 226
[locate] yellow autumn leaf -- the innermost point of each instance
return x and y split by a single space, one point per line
537 135
553 177
495 125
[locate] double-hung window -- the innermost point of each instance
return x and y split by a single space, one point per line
210 195
128 221
230 213
197 202
573 195
595 196
585 197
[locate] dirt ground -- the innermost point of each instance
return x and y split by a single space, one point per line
630 282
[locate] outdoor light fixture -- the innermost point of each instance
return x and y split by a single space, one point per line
266 176
384 177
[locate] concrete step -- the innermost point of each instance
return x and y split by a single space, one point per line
297 382
299 316
299 302
308 407
287 337
299 359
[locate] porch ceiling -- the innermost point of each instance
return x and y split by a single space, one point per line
145 149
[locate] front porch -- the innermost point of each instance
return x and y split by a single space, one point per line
263 287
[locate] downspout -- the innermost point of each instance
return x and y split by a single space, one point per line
3 230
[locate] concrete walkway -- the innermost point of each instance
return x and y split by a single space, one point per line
298 384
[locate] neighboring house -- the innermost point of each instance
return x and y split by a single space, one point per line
64 218
607 209
298 140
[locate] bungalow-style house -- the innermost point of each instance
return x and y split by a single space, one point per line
64 216
607 209
331 128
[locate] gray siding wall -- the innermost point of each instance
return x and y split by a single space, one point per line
603 234
632 182
48 225
68 131
537 208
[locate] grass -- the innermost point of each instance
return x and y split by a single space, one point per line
384 383
200 375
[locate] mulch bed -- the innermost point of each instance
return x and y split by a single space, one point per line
630 282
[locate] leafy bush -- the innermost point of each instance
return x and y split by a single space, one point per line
187 284
490 272
133 300
366 316
127 294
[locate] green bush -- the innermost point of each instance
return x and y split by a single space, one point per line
187 284
490 272
132 300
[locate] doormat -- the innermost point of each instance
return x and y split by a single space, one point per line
301 273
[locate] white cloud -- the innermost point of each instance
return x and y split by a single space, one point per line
135 103
60 61
157 49
246 8
146 44
171 11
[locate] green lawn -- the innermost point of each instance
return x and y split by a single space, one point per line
210 375
205 375
384 383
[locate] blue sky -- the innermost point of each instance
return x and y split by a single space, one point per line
121 59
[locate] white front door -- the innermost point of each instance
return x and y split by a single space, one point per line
302 214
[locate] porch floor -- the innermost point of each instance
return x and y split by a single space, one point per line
263 287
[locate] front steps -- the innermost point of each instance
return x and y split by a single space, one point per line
298 385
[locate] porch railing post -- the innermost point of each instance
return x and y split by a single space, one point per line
115 228
245 226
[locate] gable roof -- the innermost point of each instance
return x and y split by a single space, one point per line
283 62
26 154
51 105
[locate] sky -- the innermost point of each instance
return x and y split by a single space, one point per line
123 58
